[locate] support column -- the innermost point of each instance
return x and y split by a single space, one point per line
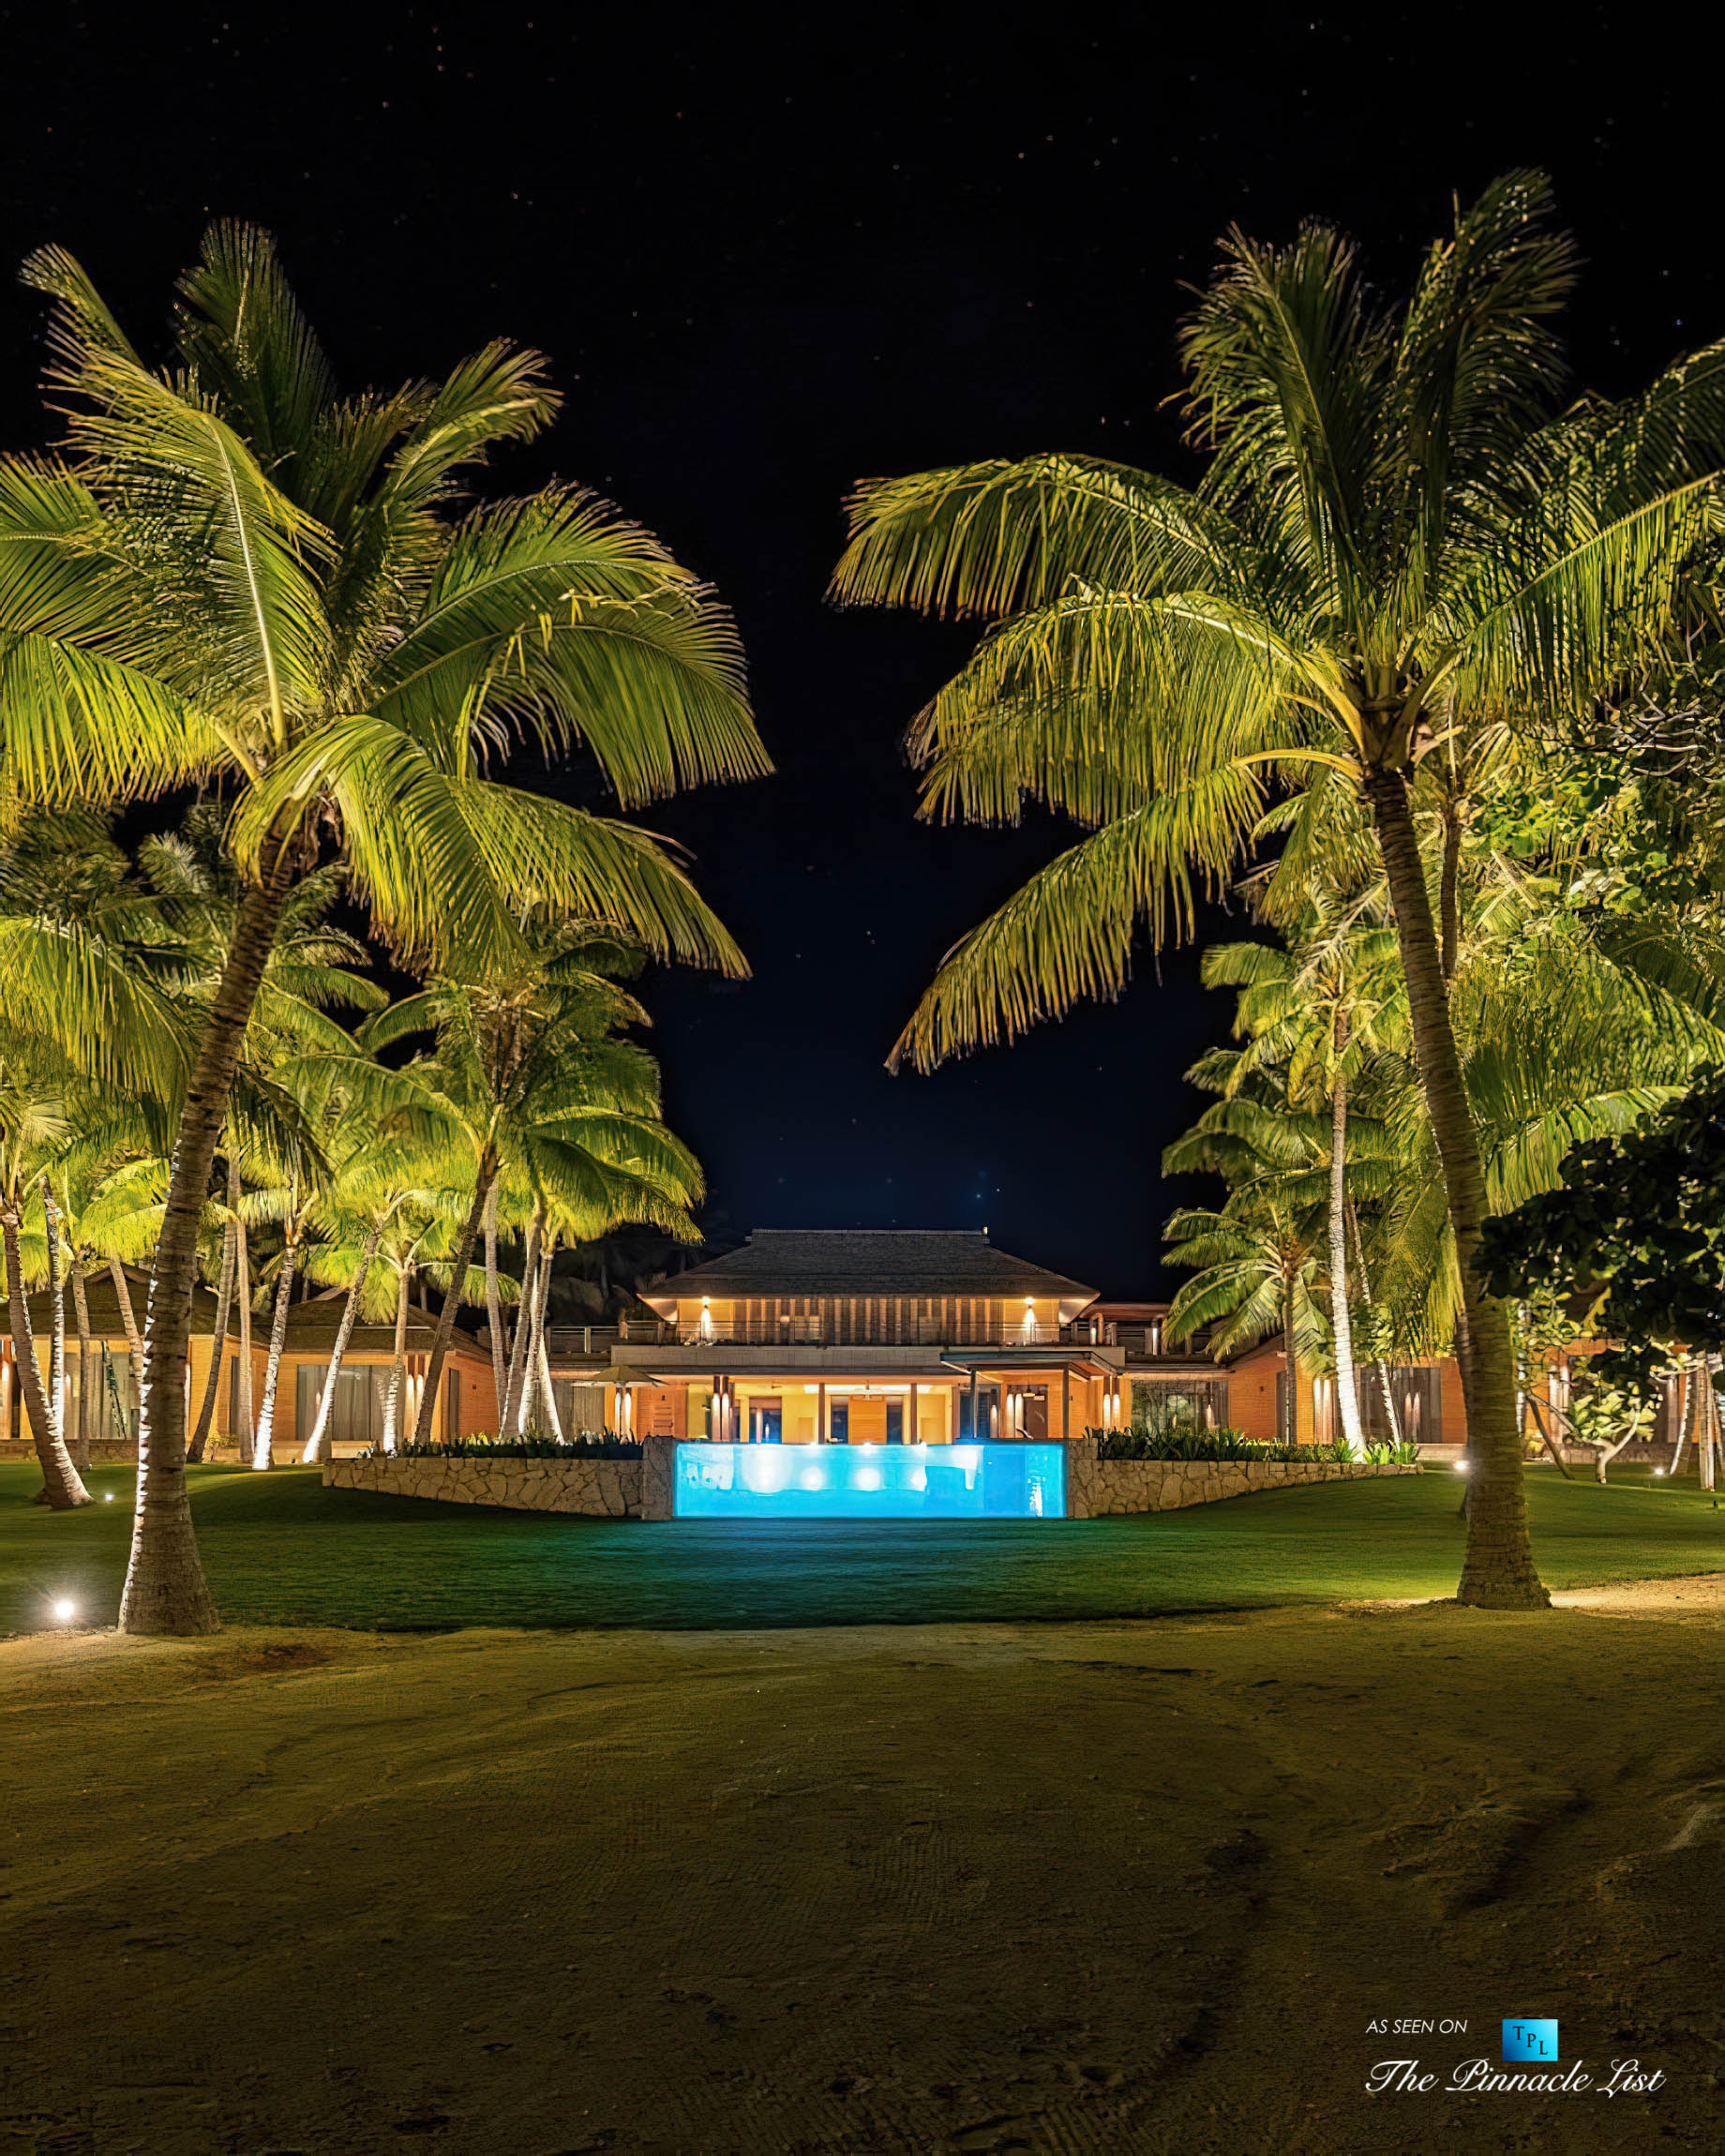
820 1412
975 1435
913 1410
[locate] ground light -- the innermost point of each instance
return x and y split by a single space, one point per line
1461 1467
64 1611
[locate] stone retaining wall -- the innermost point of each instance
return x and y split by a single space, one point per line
1099 1487
602 1488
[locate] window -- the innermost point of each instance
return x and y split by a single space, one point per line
1419 1393
356 1416
581 1408
1163 1404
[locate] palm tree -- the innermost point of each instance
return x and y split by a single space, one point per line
233 573
1407 538
379 1176
1313 1012
1256 1261
526 1066
32 1126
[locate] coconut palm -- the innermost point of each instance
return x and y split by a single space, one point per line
528 1066
1257 1263
33 1123
235 573
379 1178
1409 536
1314 1010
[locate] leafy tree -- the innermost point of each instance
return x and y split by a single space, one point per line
233 574
1410 538
1634 1234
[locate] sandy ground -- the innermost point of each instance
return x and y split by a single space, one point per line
1102 1888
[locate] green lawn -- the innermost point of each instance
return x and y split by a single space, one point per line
281 1550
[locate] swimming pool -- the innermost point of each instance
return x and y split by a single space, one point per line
869 1481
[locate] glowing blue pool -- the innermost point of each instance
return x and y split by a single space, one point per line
870 1481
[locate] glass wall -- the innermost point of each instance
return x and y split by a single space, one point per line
357 1416
1165 1404
870 1482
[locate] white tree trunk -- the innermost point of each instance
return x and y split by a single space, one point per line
261 1455
509 1422
397 1369
318 1445
81 1306
494 1308
1341 1318
245 1424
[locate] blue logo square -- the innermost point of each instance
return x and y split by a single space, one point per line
1529 2042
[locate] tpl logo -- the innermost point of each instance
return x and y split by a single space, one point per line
1525 2041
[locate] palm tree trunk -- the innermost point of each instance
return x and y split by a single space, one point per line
81 1311
1448 889
129 1318
494 1308
1362 1273
397 1369
165 1588
56 1305
262 1454
219 1343
543 1362
1290 1348
509 1422
62 1485
319 1444
542 1406
1341 1318
1497 1570
451 1301
244 1419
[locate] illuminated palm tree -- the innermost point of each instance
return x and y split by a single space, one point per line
33 1123
1409 538
231 572
561 1119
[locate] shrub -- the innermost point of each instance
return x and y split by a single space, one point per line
590 1445
1185 1444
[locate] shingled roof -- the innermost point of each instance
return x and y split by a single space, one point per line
870 1262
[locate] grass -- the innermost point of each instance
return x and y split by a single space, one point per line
281 1550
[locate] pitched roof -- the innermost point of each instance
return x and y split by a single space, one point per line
869 1261
104 1306
312 1328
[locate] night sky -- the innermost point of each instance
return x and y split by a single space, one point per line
766 265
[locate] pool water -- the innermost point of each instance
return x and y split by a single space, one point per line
870 1481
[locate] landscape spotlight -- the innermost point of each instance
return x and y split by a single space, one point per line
1461 1467
64 1611
108 1496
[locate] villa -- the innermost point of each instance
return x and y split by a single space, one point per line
883 1336
801 1336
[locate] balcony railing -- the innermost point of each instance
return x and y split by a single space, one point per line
909 1332
1140 1343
